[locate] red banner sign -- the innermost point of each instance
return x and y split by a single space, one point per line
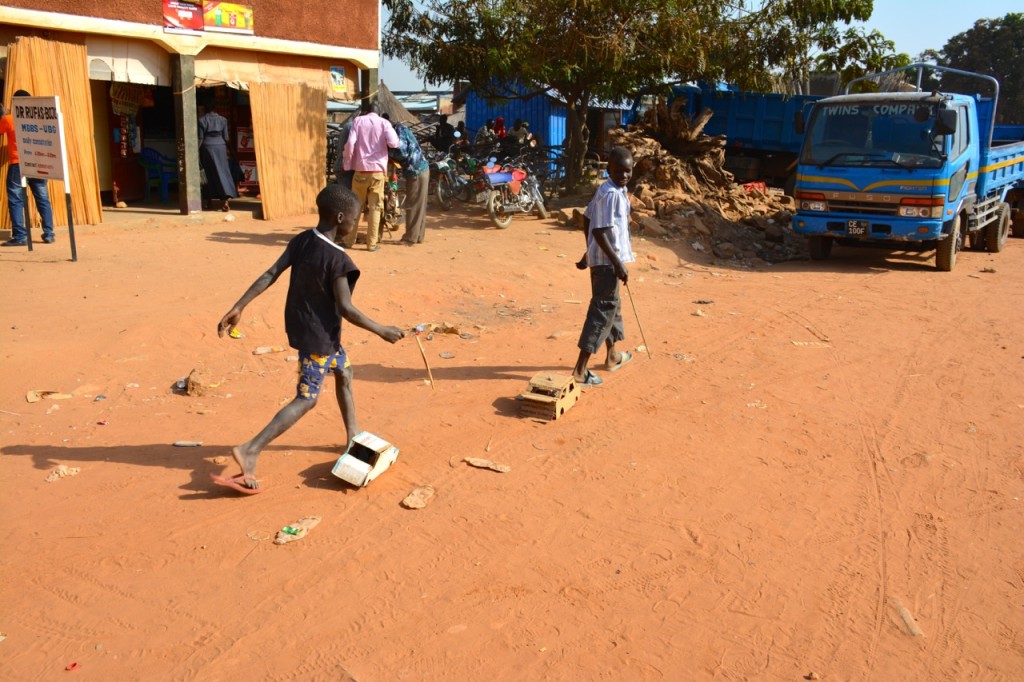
183 16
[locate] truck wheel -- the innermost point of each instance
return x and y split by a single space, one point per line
998 230
945 252
1018 223
820 247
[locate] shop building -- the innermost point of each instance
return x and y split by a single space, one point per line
130 75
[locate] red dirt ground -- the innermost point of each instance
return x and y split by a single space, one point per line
828 457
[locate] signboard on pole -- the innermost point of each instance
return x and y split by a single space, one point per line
39 130
42 151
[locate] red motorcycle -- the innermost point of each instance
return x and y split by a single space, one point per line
512 189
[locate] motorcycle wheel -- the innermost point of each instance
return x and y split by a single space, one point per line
542 211
496 211
445 192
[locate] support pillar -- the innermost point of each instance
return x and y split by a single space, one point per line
183 68
368 82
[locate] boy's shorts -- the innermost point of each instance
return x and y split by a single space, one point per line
313 368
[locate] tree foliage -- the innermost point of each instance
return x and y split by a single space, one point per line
994 47
856 53
583 50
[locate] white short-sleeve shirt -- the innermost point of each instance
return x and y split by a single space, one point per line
609 208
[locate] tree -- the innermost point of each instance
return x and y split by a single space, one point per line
583 50
856 53
994 47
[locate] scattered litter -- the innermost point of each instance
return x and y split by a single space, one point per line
36 396
908 618
443 328
103 422
812 676
297 530
467 335
187 443
419 497
487 464
758 404
220 459
2 636
292 358
974 276
569 300
263 350
989 269
52 409
131 385
446 354
699 313
642 348
229 217
702 301
99 398
62 471
812 344
72 666
684 357
236 333
697 246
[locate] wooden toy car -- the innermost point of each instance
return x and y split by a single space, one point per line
548 396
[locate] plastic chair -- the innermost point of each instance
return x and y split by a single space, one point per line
160 170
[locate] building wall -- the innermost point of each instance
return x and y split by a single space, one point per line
286 20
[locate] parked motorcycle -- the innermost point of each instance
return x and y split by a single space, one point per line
447 184
513 189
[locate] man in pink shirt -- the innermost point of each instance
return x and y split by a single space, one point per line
366 153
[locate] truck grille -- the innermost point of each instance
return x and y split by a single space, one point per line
871 207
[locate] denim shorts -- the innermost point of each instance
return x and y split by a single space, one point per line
313 368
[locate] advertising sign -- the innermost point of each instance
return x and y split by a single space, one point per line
250 178
228 17
183 16
338 79
39 130
245 143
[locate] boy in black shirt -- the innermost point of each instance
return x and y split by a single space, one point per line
319 295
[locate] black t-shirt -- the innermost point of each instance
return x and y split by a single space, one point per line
311 315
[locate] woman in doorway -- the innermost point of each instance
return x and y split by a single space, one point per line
213 155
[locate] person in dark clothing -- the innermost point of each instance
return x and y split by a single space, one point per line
213 155
319 296
444 138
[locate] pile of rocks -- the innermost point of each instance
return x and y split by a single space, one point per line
682 192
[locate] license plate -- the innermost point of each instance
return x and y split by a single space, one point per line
856 227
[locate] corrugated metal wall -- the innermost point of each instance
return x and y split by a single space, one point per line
546 116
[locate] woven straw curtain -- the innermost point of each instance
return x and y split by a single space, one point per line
289 126
49 67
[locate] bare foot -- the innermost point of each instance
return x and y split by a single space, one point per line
247 462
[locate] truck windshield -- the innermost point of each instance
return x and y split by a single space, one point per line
884 134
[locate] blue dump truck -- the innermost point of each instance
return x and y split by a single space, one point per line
760 142
913 170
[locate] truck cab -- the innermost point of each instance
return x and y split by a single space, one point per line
906 170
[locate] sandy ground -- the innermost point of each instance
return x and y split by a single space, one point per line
822 462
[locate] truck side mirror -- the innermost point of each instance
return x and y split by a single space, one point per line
945 124
798 122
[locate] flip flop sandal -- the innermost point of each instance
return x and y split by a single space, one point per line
591 379
234 482
624 357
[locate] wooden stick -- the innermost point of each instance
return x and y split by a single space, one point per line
649 356
427 364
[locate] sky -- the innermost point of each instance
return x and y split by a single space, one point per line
913 25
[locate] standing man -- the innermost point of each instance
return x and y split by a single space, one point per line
416 169
366 153
15 205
